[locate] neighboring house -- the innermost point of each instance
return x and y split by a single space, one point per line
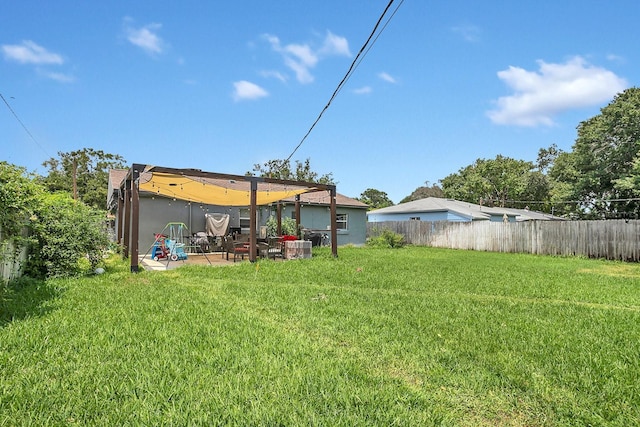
529 215
437 209
157 211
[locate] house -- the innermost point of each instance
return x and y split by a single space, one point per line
438 209
173 198
529 215
351 216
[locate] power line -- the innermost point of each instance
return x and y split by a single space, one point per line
354 64
24 126
559 202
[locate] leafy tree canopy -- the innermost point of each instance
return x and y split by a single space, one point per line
493 182
424 192
376 199
91 171
281 169
605 154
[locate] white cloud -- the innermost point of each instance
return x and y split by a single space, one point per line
146 37
470 33
247 90
554 88
301 58
334 45
386 77
616 58
274 74
30 53
59 77
363 90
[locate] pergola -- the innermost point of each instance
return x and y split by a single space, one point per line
197 186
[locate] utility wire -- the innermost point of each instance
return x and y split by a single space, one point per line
23 126
631 199
354 64
372 43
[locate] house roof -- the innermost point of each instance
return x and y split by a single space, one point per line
322 198
466 209
436 204
529 215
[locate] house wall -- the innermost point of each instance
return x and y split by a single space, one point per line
157 212
433 217
318 219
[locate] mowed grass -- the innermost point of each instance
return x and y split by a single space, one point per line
412 336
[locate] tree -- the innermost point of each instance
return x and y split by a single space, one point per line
83 173
281 169
376 199
630 182
424 192
493 182
605 151
547 157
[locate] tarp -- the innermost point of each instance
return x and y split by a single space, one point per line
217 224
211 191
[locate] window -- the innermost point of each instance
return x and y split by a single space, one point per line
342 221
245 220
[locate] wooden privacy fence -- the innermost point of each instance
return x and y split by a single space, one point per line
11 260
611 239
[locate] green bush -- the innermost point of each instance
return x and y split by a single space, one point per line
64 237
288 226
387 239
19 198
70 238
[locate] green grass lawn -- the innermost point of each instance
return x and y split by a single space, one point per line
412 336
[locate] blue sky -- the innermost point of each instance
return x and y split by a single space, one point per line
221 86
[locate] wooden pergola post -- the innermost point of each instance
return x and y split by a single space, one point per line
135 218
120 218
253 219
126 219
279 219
297 213
334 229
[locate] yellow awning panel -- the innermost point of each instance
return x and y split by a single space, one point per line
214 191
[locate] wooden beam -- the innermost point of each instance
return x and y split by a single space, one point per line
253 217
334 229
126 218
279 219
120 218
297 211
135 217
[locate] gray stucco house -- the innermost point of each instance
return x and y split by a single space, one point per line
439 209
157 211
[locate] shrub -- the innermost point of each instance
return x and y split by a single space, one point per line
288 226
70 238
19 198
387 239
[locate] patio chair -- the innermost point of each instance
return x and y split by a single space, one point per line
275 248
236 248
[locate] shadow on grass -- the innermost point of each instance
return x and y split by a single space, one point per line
25 297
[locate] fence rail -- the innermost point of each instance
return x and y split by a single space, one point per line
611 239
